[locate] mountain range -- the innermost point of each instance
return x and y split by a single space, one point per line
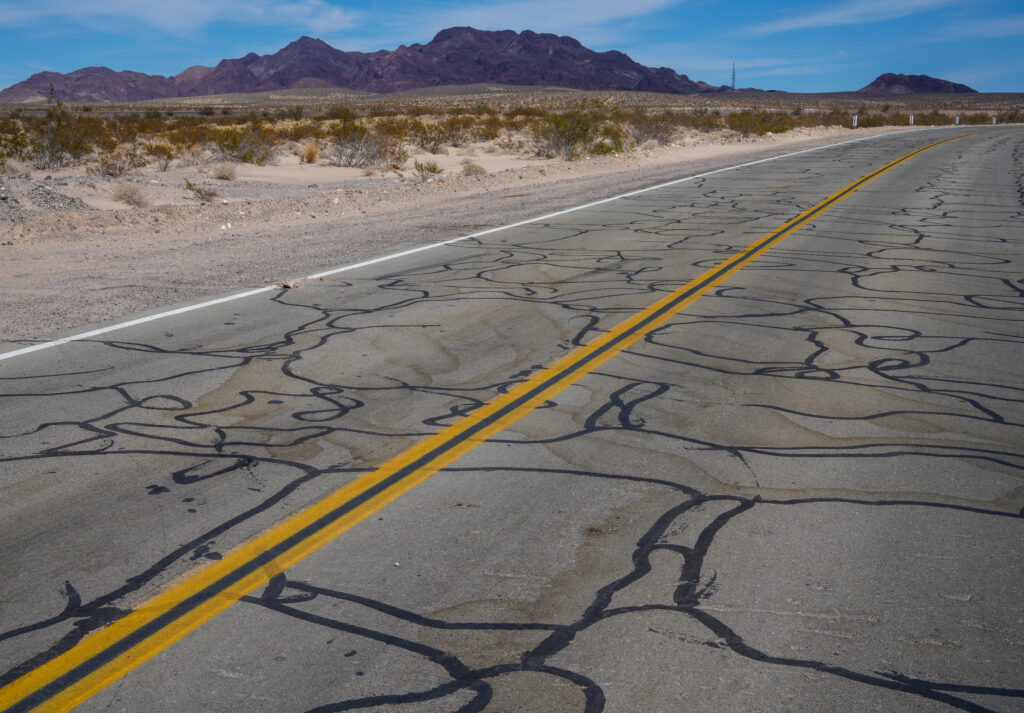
458 55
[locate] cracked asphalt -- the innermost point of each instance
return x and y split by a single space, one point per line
800 492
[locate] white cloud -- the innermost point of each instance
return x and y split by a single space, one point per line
850 13
180 16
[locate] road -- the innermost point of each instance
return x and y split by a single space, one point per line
491 476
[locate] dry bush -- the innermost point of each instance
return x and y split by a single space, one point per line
161 152
473 169
118 161
205 195
426 169
643 127
60 139
224 172
255 143
310 153
129 193
14 142
352 144
574 133
486 128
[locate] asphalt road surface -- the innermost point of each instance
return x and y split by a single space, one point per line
490 476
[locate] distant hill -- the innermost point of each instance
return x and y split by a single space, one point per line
914 84
456 56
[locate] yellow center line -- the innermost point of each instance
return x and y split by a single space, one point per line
108 654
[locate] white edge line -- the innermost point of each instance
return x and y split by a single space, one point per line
431 246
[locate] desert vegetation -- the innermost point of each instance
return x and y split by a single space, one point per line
112 142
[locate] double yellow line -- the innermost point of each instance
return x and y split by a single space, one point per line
107 655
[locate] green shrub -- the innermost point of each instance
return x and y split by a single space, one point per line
760 123
426 169
568 135
255 143
59 140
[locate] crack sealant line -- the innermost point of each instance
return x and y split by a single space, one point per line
394 256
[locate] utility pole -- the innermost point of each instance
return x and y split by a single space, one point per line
734 76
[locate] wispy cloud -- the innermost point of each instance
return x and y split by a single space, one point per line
985 29
716 67
850 13
179 16
531 14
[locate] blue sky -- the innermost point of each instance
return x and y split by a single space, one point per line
791 45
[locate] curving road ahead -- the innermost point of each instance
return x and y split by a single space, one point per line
490 476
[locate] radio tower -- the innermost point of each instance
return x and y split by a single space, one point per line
734 76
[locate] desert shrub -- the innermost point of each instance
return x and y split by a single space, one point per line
352 144
161 152
750 121
426 169
568 135
255 143
483 108
395 127
379 110
866 121
427 135
152 114
14 142
206 111
976 118
59 140
610 140
644 127
205 195
1011 116
118 161
310 153
897 118
224 172
300 131
340 112
833 117
473 169
456 130
702 120
129 193
486 128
